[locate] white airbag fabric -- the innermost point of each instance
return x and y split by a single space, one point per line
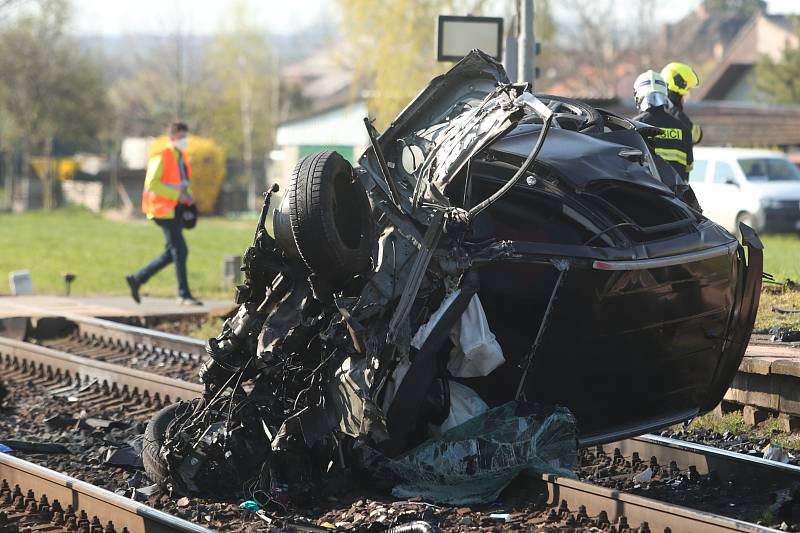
477 352
465 404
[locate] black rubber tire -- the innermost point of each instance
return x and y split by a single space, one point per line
330 217
155 466
594 120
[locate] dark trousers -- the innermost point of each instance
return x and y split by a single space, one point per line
174 252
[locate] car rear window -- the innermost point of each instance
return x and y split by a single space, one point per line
769 169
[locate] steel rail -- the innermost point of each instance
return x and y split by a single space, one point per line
95 501
56 361
133 335
637 509
726 464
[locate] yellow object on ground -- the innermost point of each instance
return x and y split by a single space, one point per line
208 168
63 167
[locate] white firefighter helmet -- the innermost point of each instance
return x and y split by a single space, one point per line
649 90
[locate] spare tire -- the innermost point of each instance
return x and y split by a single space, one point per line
330 216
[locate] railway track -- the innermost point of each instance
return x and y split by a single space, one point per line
104 364
88 380
107 377
578 504
34 498
144 349
725 465
676 467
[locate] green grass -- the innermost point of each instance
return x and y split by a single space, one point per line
734 422
782 260
101 251
768 318
782 256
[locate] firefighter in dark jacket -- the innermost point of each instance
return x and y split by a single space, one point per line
681 78
674 144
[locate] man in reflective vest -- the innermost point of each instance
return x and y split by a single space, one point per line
166 187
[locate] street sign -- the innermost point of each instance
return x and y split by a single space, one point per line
456 36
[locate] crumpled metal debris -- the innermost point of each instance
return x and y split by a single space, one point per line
783 334
335 360
130 455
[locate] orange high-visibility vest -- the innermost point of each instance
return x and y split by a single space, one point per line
162 186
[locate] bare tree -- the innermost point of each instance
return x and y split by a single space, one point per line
605 42
157 85
241 93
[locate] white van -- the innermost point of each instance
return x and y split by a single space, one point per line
758 187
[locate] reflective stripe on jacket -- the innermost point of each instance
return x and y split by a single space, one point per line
674 144
667 154
162 184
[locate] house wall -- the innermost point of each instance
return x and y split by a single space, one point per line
341 129
773 38
733 79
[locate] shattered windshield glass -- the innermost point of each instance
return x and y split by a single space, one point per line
473 462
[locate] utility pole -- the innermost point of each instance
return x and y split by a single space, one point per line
526 46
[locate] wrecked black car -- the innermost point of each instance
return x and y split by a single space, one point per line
503 277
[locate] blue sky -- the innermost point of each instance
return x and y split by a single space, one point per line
278 16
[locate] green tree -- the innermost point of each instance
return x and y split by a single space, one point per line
778 80
159 83
227 89
393 49
392 45
50 90
602 44
242 82
738 7
239 98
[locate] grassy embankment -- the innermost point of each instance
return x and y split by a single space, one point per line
782 260
100 252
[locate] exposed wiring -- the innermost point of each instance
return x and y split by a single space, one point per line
233 395
523 169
